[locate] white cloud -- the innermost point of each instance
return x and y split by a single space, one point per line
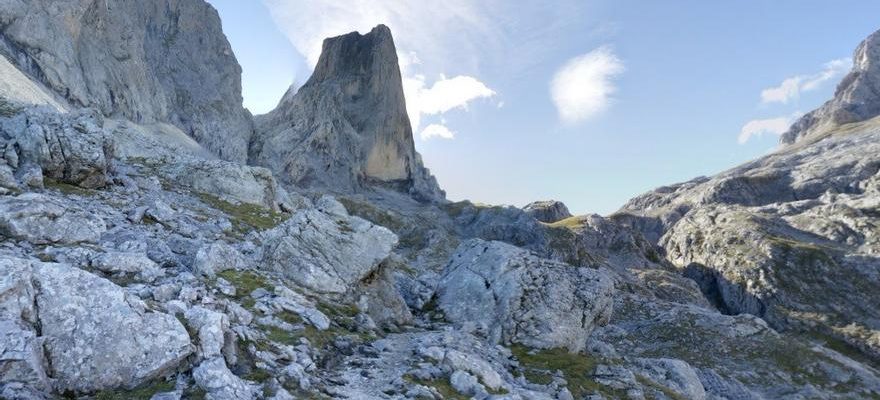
437 130
444 95
791 88
583 86
455 37
771 126
415 25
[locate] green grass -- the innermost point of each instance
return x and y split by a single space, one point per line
541 365
570 223
372 213
441 385
669 393
245 282
142 393
245 216
67 188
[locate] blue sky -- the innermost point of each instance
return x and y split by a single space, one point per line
588 102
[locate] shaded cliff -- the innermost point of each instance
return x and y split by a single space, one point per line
146 61
347 128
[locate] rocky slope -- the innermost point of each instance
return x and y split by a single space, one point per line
136 265
347 127
790 237
154 61
857 98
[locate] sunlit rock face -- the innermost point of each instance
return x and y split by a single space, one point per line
792 236
347 127
857 97
146 61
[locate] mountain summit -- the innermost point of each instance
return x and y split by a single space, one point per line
347 127
857 97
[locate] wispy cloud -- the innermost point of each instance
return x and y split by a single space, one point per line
486 32
583 86
416 25
438 131
444 95
771 126
791 88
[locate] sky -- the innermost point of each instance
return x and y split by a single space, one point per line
590 102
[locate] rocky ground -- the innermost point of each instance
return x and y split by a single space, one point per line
138 260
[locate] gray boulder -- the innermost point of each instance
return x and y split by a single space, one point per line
128 265
41 219
326 251
70 148
347 127
521 298
219 383
156 61
94 335
547 211
231 182
218 257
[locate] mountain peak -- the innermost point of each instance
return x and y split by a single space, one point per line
856 99
347 127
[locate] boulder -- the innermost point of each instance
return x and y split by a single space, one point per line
219 383
94 335
231 182
521 298
326 251
128 265
218 257
71 148
41 219
547 211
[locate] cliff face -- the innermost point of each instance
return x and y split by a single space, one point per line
857 97
146 61
791 237
347 127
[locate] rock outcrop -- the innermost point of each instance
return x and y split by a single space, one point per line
347 127
69 148
156 61
547 211
43 220
521 298
857 97
134 264
790 237
83 331
326 250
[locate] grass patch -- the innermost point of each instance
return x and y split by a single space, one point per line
372 213
441 385
142 393
541 365
245 282
245 217
669 393
569 223
67 188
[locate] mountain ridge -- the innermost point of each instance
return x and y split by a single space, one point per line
136 264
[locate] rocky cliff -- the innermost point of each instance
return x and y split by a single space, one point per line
857 97
347 127
145 61
790 237
134 265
